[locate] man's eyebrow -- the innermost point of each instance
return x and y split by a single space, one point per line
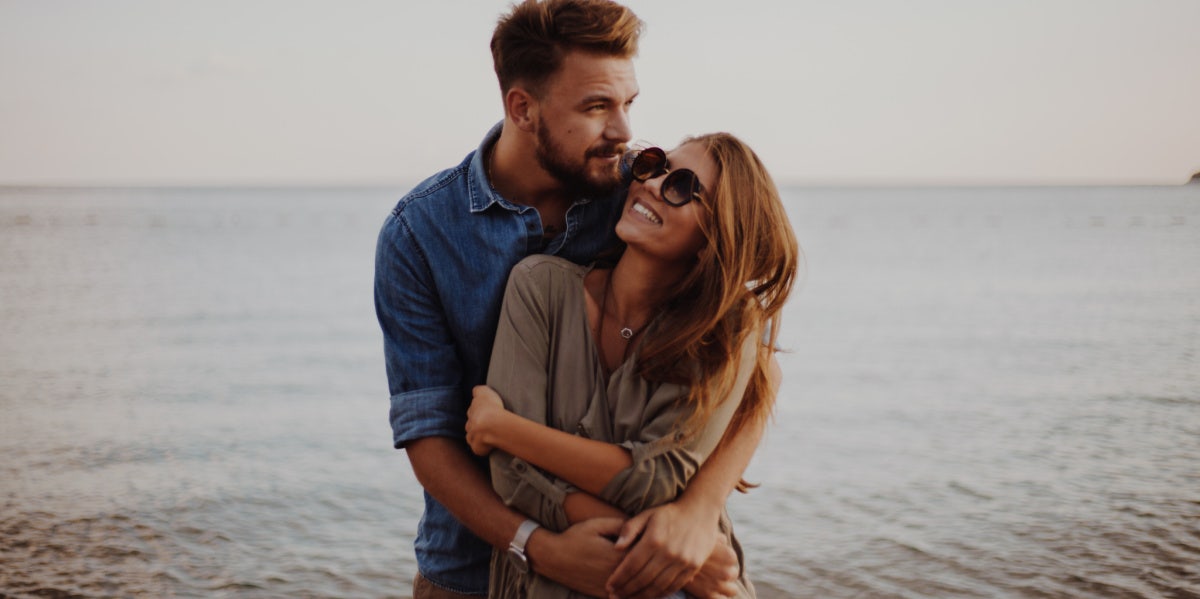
594 98
604 98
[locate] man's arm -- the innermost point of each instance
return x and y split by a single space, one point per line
671 542
424 375
580 558
583 462
717 578
451 475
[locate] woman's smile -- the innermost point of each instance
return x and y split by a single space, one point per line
645 212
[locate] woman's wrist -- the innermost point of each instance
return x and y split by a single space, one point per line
494 429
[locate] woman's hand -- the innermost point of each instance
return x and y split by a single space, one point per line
486 408
667 545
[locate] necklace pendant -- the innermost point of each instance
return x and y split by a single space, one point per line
627 333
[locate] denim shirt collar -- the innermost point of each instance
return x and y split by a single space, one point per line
483 195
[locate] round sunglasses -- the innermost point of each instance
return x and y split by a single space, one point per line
681 185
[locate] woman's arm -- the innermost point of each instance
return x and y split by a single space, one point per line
585 463
519 368
717 576
582 506
521 348
665 458
582 555
633 476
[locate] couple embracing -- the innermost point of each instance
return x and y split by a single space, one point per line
579 337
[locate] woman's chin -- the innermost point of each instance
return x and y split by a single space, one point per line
630 232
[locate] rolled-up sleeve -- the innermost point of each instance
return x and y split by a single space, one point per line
423 368
519 373
530 491
664 458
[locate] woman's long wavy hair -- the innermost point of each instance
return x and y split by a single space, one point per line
737 288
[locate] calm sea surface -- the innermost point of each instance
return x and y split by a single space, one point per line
989 393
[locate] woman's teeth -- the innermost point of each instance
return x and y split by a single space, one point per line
647 213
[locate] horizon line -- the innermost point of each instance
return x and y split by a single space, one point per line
406 184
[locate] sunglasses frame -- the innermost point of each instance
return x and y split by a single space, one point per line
682 182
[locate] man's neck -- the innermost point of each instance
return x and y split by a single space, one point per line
513 170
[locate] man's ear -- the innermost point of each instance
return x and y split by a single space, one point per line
522 108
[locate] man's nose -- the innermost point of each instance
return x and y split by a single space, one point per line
619 128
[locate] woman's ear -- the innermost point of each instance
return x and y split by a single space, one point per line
521 107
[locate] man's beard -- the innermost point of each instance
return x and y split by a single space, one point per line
574 176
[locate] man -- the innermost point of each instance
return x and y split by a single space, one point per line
544 180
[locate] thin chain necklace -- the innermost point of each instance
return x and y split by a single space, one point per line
627 333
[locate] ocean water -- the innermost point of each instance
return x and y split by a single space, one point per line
987 393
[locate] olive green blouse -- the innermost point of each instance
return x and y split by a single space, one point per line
546 366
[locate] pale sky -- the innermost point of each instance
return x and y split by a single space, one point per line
856 92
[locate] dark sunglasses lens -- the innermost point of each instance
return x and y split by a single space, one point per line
680 187
648 164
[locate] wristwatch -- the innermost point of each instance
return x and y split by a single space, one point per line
516 547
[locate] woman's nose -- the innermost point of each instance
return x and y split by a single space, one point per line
654 184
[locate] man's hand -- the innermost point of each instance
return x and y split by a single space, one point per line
581 557
674 543
717 579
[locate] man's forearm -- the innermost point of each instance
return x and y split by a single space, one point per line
581 559
445 468
720 473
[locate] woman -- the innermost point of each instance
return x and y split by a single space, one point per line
618 383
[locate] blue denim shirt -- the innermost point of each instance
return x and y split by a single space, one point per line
441 264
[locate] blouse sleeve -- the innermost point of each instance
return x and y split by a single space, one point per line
664 457
518 373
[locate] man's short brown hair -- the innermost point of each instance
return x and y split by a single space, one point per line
529 42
